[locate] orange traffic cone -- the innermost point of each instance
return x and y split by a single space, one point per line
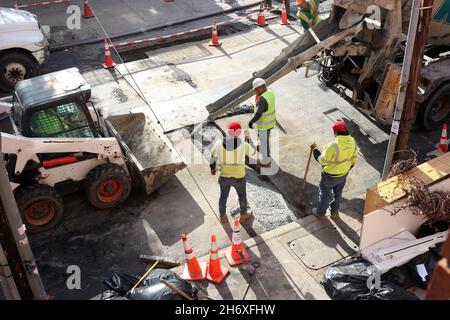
87 10
284 19
261 17
193 269
214 271
443 146
109 63
215 36
237 254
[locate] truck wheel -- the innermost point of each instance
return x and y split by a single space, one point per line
436 111
15 67
41 207
107 186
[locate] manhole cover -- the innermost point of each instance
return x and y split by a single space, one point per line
323 247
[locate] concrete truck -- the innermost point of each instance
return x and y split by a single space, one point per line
360 49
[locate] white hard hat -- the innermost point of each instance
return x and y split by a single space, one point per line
258 82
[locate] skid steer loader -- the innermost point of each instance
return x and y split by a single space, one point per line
55 141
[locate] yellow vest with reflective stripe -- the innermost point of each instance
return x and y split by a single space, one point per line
311 12
231 163
268 118
338 156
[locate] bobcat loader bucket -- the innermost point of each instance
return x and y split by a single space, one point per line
151 159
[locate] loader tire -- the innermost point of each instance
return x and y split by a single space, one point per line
107 186
40 206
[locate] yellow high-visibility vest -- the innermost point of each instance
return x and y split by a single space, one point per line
268 119
231 163
308 16
338 156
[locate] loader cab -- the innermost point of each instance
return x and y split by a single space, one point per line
54 105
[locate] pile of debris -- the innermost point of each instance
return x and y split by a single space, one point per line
369 277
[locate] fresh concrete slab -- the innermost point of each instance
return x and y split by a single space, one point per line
180 83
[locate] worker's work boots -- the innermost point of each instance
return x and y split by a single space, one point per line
244 217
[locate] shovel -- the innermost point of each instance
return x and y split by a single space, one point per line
302 188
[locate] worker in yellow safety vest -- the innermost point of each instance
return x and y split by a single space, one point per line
265 118
337 159
308 13
230 156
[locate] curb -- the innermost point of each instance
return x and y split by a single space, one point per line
153 28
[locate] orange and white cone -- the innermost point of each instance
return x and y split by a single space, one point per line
443 146
109 63
284 19
87 10
193 270
215 272
237 255
215 36
261 17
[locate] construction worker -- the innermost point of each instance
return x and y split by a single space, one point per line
265 119
337 159
230 155
308 13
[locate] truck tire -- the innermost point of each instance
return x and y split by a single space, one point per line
14 67
436 111
107 186
40 206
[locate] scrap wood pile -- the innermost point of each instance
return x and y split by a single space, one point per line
435 205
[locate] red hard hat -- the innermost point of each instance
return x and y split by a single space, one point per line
340 126
234 129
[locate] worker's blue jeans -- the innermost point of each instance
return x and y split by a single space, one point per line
330 193
240 185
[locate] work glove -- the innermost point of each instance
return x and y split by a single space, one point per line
213 172
313 146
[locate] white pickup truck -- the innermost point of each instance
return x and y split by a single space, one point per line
23 46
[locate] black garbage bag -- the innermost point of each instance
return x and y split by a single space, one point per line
429 260
111 295
121 282
153 289
427 229
347 280
399 276
387 291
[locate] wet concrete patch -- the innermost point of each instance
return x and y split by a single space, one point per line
181 75
119 95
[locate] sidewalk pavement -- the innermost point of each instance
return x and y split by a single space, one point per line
121 18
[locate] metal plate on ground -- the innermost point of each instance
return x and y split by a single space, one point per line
323 247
